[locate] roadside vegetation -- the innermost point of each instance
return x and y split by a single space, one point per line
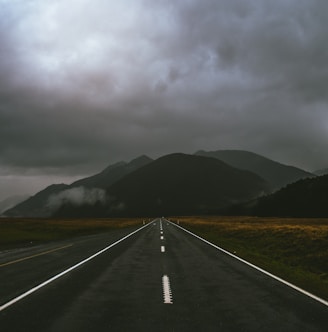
293 249
21 232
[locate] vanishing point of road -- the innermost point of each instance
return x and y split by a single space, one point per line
158 277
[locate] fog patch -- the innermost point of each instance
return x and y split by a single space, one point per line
121 206
77 196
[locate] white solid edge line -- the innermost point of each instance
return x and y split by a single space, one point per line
32 290
314 297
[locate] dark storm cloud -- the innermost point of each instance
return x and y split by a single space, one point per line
83 84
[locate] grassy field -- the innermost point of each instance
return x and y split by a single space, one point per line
20 232
294 249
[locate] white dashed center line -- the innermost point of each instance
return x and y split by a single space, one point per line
167 293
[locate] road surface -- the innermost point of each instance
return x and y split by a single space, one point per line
159 278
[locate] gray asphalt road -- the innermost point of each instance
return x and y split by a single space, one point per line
158 279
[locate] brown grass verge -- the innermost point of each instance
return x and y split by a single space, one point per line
294 249
21 231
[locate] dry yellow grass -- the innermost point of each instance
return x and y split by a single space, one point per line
295 249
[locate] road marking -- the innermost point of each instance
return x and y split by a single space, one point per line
36 255
167 293
162 249
57 276
162 237
161 232
314 297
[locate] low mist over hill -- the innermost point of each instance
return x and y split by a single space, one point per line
88 190
37 205
176 184
203 183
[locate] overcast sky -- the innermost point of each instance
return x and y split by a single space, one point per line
84 84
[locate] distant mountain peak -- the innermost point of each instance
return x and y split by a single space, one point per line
113 166
277 174
205 181
175 184
140 160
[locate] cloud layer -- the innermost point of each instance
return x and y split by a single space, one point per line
86 83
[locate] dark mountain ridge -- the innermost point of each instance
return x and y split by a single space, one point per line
12 201
304 198
112 173
178 184
38 205
276 174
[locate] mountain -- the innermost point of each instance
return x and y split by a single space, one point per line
112 173
321 171
305 198
176 184
84 190
11 201
36 206
276 174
